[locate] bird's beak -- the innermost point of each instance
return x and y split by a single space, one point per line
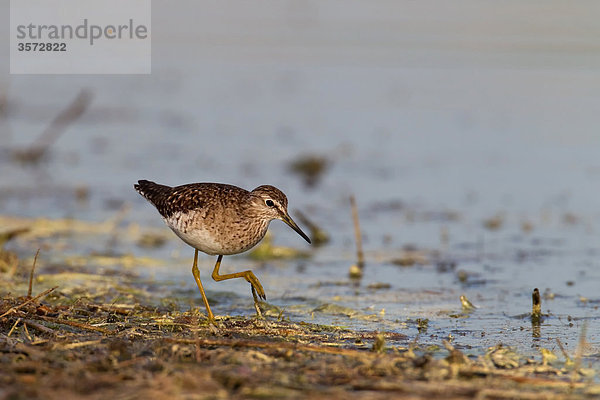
288 220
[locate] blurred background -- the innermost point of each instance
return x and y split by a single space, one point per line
466 130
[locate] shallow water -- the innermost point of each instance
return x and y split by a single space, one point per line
436 121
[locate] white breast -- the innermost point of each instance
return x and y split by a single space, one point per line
194 235
202 240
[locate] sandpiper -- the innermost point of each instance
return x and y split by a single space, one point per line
219 219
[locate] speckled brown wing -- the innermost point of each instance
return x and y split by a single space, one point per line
169 200
185 198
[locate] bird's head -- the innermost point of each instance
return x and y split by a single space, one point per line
271 203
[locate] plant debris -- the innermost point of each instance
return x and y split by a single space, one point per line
93 350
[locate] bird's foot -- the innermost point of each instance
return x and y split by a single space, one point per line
215 326
259 314
257 301
257 288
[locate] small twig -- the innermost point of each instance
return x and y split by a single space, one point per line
77 345
272 345
13 309
37 253
14 327
121 309
357 234
536 314
27 332
76 324
39 327
536 309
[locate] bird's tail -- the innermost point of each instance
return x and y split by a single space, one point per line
153 192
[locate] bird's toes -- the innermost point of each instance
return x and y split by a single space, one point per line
258 288
260 292
215 326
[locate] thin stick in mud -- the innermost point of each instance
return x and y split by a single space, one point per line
536 314
359 250
37 253
536 308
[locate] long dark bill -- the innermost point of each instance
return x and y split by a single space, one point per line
288 220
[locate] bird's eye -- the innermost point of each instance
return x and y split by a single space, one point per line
270 203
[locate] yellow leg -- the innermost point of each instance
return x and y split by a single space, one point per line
247 275
211 317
